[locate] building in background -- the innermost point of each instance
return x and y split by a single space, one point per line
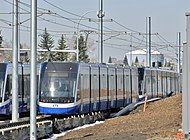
157 59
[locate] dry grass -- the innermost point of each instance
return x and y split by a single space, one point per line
161 120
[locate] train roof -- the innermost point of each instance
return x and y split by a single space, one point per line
158 69
91 64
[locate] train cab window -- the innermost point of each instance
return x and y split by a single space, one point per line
58 87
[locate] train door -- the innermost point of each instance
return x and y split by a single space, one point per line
168 83
147 78
135 86
173 88
175 83
159 83
164 83
178 82
112 86
84 89
103 87
127 86
154 83
95 87
119 82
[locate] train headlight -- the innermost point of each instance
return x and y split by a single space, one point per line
52 89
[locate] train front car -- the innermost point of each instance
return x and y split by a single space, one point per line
57 88
4 98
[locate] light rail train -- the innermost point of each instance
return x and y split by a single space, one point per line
71 88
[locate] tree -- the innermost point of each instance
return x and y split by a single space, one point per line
46 42
109 60
6 55
136 61
24 57
83 56
61 56
125 61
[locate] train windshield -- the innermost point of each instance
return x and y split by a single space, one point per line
58 87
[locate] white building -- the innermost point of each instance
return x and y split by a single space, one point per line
142 57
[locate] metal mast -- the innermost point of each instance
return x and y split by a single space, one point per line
33 79
101 15
186 81
179 52
15 114
149 41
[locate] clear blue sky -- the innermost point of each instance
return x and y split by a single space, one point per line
168 18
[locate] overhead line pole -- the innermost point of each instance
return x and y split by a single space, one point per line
149 41
33 78
101 26
179 52
101 15
186 81
15 113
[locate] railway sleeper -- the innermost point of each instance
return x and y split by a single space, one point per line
22 132
63 124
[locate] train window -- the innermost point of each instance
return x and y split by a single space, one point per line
84 83
58 86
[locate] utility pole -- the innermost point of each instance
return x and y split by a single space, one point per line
149 52
33 78
15 113
179 52
186 81
101 15
147 42
18 32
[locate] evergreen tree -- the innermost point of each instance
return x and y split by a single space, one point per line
61 56
136 61
83 56
109 60
125 61
46 42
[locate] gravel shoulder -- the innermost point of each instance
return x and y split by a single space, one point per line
161 120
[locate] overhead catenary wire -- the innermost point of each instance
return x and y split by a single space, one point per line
137 41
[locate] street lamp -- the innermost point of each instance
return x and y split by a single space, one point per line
77 50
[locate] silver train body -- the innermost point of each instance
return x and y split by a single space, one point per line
69 88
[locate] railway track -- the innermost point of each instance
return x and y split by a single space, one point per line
46 125
21 130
